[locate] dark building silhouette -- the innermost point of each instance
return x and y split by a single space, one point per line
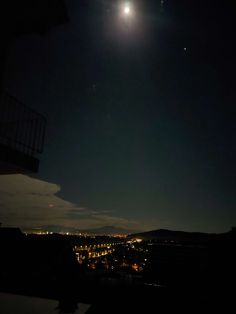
26 16
39 266
43 266
21 136
22 129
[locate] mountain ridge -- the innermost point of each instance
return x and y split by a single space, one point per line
177 236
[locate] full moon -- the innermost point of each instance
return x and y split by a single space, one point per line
127 10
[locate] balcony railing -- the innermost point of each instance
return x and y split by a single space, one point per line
21 128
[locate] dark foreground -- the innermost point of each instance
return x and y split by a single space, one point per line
176 277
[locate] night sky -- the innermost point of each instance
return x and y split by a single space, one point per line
141 117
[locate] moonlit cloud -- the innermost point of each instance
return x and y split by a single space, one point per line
30 203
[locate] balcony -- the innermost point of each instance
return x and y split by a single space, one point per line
22 132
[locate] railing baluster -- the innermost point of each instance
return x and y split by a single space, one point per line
21 128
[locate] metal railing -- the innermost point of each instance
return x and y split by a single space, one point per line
21 128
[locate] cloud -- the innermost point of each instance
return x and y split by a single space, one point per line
30 203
